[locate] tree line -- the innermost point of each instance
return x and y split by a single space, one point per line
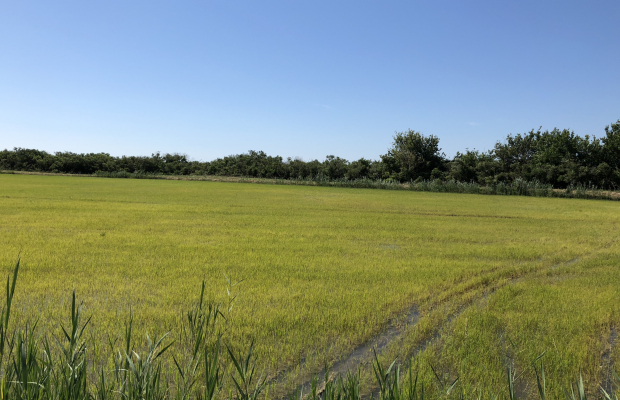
559 158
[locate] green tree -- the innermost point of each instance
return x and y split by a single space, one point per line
335 167
611 143
473 166
413 156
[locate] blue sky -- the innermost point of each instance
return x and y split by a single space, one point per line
301 78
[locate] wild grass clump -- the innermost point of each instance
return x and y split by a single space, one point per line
127 175
517 187
36 364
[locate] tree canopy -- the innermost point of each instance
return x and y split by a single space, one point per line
557 157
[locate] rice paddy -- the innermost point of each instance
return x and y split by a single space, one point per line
471 285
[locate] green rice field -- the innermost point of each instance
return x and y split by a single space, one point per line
471 285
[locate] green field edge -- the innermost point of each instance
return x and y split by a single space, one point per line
520 188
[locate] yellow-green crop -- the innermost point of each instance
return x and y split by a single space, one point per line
496 280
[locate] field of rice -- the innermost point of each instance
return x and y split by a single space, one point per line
459 285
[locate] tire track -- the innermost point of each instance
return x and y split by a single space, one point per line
607 361
490 282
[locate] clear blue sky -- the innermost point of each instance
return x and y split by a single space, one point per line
301 78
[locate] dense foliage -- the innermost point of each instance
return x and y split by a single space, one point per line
559 158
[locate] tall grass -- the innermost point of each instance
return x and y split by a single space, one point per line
36 364
517 187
